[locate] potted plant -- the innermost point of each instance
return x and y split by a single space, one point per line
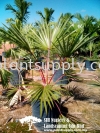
93 57
66 50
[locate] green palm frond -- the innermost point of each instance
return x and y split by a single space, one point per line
72 44
16 37
15 53
9 7
9 20
40 13
5 76
47 14
42 37
67 122
67 15
78 16
21 10
11 92
89 23
46 94
71 75
46 35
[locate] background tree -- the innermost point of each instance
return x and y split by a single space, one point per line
89 25
21 10
47 14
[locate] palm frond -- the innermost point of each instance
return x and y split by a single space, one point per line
40 13
21 10
72 44
14 53
11 92
9 7
5 76
46 94
15 36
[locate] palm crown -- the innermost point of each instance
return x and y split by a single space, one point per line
21 11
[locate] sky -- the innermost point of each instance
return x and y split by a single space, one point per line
84 7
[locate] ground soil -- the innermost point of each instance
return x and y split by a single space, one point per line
84 104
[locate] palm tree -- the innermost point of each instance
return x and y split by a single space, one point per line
89 23
21 11
66 49
44 37
47 14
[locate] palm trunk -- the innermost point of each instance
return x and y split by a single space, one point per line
47 65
